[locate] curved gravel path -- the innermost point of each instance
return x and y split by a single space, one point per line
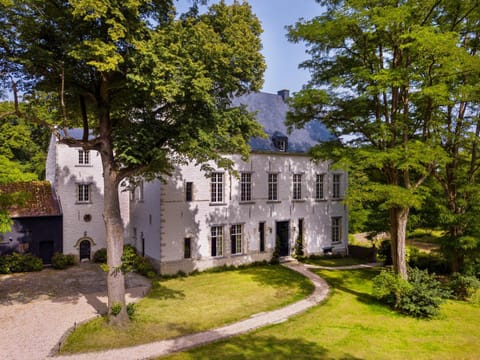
165 347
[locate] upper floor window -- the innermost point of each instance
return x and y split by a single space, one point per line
245 187
216 187
297 186
319 185
236 238
216 240
336 229
83 193
336 186
272 187
83 157
189 191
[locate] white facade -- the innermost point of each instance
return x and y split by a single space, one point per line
77 178
200 219
194 221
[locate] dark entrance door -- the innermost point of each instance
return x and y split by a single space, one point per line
282 233
45 250
85 250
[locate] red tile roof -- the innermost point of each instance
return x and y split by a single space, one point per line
41 200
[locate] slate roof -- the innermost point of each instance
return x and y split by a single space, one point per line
271 112
41 200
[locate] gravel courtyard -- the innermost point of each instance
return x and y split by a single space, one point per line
36 309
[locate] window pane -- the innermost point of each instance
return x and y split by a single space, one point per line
216 187
272 187
336 185
189 191
297 186
245 187
217 240
236 238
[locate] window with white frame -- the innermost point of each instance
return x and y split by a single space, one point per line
297 186
83 157
272 187
216 187
245 187
319 186
236 238
83 193
336 229
336 186
216 240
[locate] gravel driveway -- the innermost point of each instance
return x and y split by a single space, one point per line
36 309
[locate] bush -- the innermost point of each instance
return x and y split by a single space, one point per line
100 256
131 308
61 261
432 262
19 263
420 296
463 287
144 267
384 252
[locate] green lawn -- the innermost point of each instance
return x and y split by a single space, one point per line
186 305
351 325
334 261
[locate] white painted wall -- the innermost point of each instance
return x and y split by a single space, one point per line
180 219
66 176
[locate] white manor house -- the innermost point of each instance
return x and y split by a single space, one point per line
195 221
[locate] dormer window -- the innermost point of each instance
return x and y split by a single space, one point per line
280 141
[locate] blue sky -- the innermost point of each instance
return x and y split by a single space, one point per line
281 56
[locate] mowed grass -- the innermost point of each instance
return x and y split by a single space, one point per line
334 261
186 305
352 325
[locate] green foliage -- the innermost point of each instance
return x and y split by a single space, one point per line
384 252
19 263
100 256
433 261
131 309
420 296
276 251
116 309
61 261
298 250
463 287
129 258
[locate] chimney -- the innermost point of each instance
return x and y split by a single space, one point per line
285 94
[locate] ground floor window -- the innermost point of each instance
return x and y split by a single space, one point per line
261 231
187 248
236 238
336 229
216 238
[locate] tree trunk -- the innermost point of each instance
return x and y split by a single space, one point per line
398 231
115 241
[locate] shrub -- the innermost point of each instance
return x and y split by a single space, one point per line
384 252
420 296
100 256
129 258
20 263
116 308
62 261
276 252
131 309
432 262
298 250
144 267
463 287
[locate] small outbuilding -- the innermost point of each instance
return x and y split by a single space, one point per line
37 223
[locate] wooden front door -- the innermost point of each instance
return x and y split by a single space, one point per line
85 249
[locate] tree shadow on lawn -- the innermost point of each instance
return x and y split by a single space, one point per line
161 292
279 277
343 279
263 347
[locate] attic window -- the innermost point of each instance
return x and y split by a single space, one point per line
280 141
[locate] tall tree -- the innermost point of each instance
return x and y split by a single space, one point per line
381 71
149 89
460 115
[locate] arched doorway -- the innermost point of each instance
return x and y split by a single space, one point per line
85 249
84 246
